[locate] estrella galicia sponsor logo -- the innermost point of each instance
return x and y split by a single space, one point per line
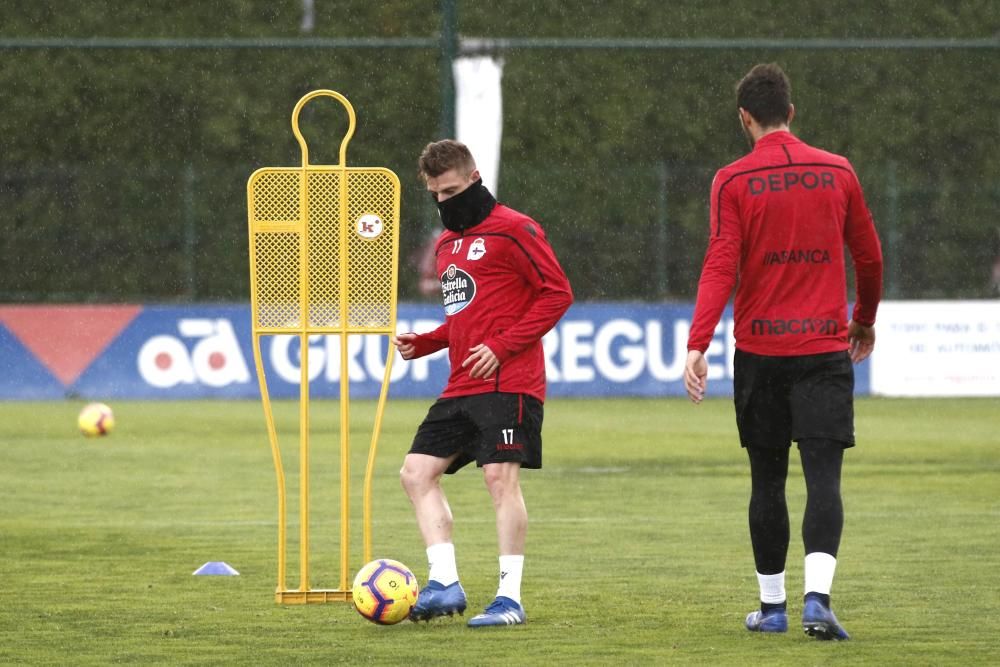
790 180
793 327
457 288
796 256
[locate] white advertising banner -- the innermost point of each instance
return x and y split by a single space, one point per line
937 348
479 112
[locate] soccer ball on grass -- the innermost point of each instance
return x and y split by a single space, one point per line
384 591
96 419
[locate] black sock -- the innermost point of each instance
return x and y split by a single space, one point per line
771 606
825 599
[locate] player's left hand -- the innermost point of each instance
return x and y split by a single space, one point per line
484 362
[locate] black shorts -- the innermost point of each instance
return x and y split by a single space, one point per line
485 428
780 399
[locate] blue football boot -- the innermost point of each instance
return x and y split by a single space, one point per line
818 621
773 620
502 611
436 599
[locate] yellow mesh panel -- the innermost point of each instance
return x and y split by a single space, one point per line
277 279
324 249
276 196
280 235
370 260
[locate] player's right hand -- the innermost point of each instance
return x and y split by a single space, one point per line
695 376
404 343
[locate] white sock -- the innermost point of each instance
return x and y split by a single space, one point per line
819 571
511 568
772 587
441 558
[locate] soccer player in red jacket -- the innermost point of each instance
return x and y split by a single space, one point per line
503 289
780 218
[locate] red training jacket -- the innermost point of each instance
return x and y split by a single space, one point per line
503 287
780 217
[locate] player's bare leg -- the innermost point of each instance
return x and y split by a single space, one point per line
503 482
421 479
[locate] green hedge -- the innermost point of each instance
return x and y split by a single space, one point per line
124 170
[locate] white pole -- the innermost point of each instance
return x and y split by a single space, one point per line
479 112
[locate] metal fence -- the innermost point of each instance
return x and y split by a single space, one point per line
176 233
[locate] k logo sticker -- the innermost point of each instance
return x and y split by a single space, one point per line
369 226
477 249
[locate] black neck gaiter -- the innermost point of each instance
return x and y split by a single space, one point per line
466 209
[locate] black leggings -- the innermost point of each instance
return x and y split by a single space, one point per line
823 521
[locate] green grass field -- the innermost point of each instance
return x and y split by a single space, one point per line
638 550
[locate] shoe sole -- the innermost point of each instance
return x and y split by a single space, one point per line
495 625
822 631
427 616
766 629
498 623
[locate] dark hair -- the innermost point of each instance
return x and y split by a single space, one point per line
766 93
440 156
